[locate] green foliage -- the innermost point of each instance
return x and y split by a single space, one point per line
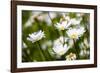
34 52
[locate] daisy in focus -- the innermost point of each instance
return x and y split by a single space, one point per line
75 33
36 36
64 23
59 47
60 40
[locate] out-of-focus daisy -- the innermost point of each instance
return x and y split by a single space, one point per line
60 49
35 60
72 21
31 18
86 42
71 56
75 21
70 42
79 14
84 52
81 45
62 25
45 17
24 45
61 40
36 36
46 44
52 15
75 33
59 46
29 21
65 17
84 47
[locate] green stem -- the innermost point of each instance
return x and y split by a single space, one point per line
63 36
76 49
53 24
41 51
51 57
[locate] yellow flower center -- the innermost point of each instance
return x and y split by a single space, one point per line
71 56
74 35
62 28
61 53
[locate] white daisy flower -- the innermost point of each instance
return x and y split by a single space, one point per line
44 46
45 17
60 40
29 21
79 14
82 46
31 18
62 25
81 53
52 15
60 49
75 21
24 45
86 42
75 33
84 52
36 36
71 56
65 17
70 42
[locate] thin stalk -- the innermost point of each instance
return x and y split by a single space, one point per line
63 37
50 54
53 24
41 51
76 49
62 34
50 19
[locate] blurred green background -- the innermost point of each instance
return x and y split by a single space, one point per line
33 21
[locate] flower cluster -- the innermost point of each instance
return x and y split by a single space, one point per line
66 22
74 33
70 43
